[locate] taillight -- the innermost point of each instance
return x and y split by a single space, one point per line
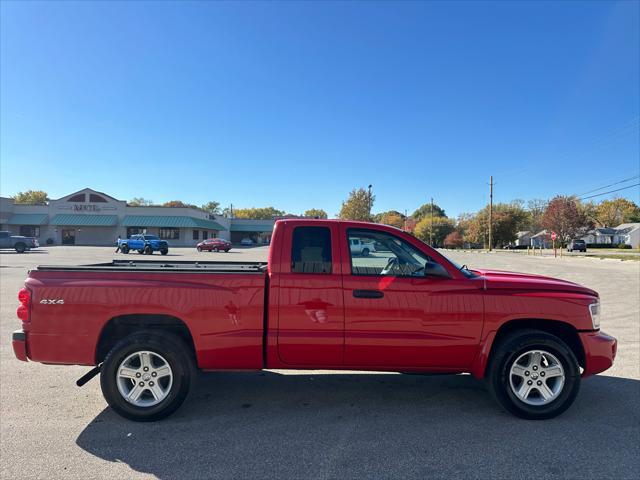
24 297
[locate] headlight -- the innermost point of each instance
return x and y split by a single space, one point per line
594 310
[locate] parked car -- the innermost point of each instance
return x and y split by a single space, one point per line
358 247
148 326
247 242
214 245
579 245
143 244
17 242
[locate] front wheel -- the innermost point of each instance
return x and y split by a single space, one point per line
534 375
147 250
147 375
164 251
199 249
20 247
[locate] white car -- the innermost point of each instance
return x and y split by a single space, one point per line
358 247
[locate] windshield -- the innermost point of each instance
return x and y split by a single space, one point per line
462 268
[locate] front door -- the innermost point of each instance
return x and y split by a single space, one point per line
69 237
402 310
311 310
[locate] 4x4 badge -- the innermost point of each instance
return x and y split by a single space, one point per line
52 301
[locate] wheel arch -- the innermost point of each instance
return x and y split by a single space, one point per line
122 325
563 330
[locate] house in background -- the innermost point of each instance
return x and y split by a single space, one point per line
626 233
523 239
541 240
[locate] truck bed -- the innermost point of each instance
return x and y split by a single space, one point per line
164 266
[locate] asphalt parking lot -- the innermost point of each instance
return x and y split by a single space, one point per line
322 424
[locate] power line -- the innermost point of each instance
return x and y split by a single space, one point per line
611 191
610 185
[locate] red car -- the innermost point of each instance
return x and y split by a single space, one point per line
147 326
214 245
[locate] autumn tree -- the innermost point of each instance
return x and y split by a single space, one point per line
212 207
392 218
425 211
563 217
31 197
453 240
260 213
177 204
611 213
315 213
434 232
357 206
535 210
140 202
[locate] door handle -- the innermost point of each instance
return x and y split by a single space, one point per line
368 294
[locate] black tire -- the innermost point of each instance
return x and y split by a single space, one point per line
227 250
164 251
199 249
124 249
147 250
365 252
507 352
177 355
20 247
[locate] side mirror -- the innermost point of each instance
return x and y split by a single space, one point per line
433 269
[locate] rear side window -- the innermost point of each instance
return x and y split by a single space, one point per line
311 250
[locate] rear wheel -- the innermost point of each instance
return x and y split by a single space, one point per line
534 375
199 249
20 247
147 375
365 252
124 249
148 250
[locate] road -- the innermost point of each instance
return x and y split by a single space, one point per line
324 424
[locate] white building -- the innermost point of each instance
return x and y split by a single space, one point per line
89 217
626 233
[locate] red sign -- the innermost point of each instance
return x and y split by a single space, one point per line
553 235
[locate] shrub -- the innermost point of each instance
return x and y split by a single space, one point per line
624 246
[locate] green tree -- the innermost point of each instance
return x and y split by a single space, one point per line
424 211
357 206
31 197
435 232
140 202
264 213
212 207
507 220
315 213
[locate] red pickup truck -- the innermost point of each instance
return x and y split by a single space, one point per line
147 326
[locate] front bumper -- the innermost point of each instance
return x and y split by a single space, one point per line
599 351
19 342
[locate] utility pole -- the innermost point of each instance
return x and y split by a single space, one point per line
491 213
431 225
370 203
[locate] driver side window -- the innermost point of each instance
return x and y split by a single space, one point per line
383 254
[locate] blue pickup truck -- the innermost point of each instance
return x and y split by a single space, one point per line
145 244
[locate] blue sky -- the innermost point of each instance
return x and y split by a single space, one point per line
294 104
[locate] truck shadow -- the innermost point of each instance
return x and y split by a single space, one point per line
264 425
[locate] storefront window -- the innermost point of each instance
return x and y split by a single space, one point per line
196 235
29 231
169 233
135 231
